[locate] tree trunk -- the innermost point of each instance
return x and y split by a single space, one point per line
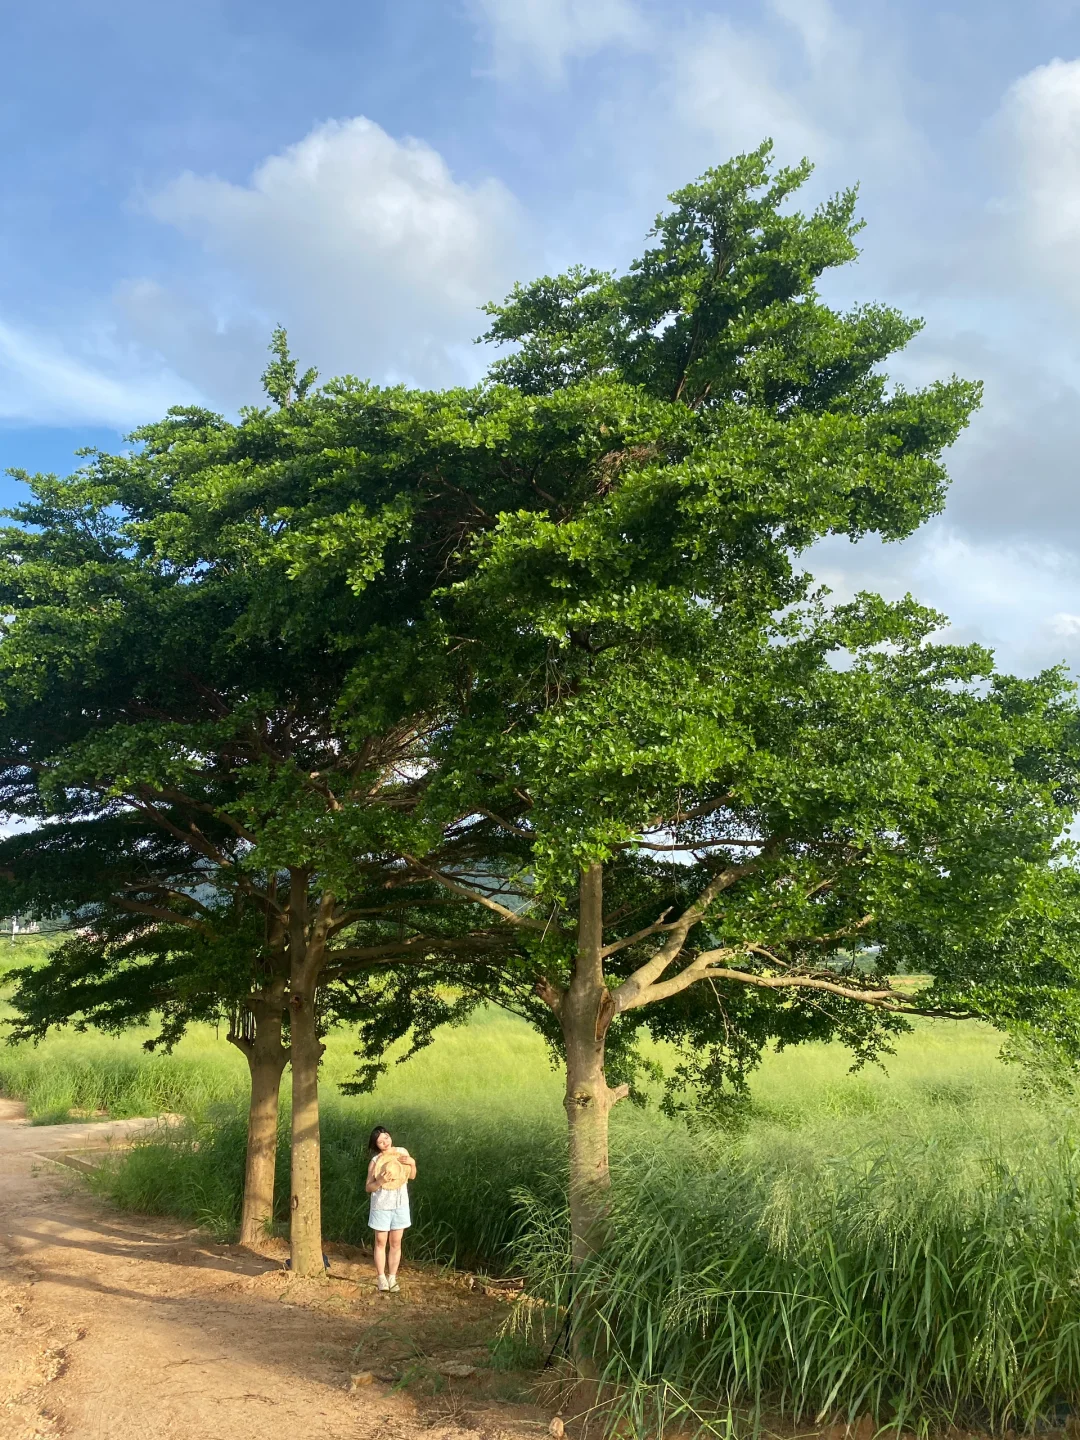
267 1058
588 1108
305 962
306 1201
585 1012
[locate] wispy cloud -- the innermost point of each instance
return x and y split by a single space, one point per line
543 35
45 382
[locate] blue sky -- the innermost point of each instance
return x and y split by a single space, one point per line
179 179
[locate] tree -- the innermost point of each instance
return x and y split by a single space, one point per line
147 935
149 938
716 786
543 647
216 738
224 637
709 842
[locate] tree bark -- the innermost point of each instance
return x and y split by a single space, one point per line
585 1012
267 1058
589 1100
306 951
306 1199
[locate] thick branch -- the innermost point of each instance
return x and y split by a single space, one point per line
419 946
505 824
156 912
707 966
687 845
179 797
654 929
647 974
551 995
525 922
169 890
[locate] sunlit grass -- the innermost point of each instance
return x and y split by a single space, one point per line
903 1242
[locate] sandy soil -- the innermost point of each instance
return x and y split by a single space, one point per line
114 1327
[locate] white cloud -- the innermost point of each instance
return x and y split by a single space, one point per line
725 87
45 382
801 74
1040 126
366 247
545 34
1021 600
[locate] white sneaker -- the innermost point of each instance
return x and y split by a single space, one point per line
382 1283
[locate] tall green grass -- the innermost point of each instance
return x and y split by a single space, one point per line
93 1074
472 1165
905 1245
482 1107
926 1273
494 1056
25 949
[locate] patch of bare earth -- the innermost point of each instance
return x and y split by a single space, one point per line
116 1327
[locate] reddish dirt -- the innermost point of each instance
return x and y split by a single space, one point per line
118 1327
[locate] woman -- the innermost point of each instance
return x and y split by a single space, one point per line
389 1172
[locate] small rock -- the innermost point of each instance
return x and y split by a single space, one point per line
456 1369
360 1379
557 1428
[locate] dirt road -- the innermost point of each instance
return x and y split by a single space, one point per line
114 1327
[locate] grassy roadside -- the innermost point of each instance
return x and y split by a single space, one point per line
904 1244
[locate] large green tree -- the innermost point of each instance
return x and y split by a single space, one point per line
704 843
545 647
223 638
152 936
223 740
718 786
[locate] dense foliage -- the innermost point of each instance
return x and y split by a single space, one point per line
523 688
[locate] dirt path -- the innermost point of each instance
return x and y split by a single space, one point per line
114 1327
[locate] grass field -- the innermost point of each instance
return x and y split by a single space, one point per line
905 1244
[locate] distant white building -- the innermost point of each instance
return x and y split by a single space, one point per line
15 925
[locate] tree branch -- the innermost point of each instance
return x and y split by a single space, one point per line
654 929
647 974
525 922
505 824
157 912
707 966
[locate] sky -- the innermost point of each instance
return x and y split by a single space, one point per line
179 179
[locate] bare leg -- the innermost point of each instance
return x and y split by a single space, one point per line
395 1255
380 1253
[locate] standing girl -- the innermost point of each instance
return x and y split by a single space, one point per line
389 1172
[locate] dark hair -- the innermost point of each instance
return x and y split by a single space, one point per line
373 1138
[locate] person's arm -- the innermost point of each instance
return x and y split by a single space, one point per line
372 1185
409 1161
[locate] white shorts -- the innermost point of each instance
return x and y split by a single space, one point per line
389 1210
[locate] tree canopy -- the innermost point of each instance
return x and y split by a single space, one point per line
524 687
